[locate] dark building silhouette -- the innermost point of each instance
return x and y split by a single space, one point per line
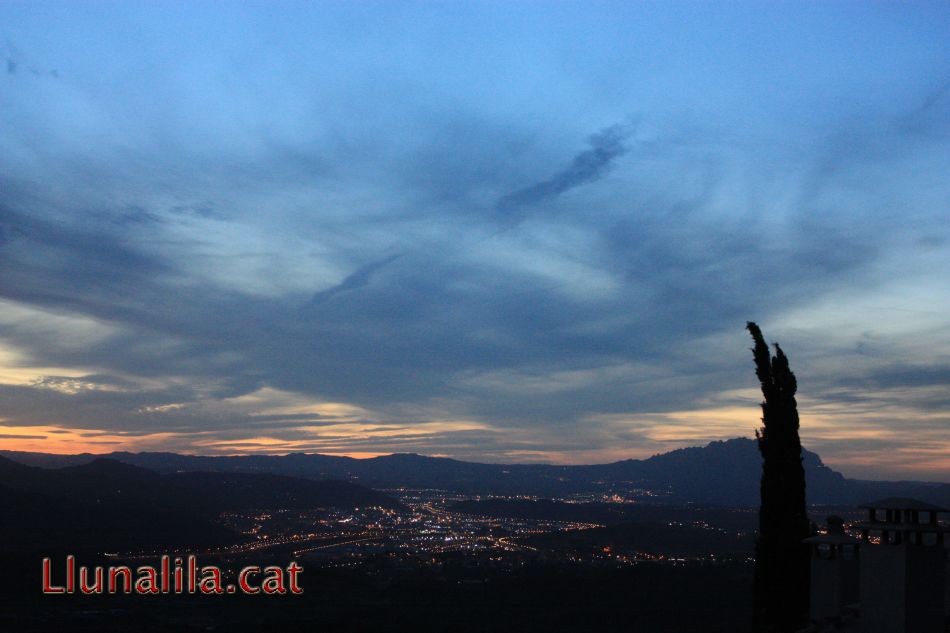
902 567
834 572
891 580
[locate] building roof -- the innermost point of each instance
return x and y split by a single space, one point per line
929 528
902 503
833 538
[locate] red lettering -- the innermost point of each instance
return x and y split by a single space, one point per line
211 580
84 585
292 571
148 580
274 583
70 574
242 579
126 573
47 587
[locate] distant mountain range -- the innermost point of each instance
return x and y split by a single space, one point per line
720 473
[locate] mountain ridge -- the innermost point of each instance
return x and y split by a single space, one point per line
106 503
724 472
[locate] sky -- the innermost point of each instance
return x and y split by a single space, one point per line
496 231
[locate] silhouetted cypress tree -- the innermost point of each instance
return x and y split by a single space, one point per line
781 559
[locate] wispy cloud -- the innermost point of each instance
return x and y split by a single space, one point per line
587 167
354 280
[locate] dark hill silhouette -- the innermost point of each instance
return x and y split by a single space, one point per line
87 509
8 465
724 472
109 504
247 491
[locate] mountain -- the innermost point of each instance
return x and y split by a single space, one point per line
724 473
250 491
729 472
105 503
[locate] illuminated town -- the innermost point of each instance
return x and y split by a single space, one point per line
428 531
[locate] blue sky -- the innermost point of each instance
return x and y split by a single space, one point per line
495 231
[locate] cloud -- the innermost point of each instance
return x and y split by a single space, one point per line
13 63
475 324
587 167
357 279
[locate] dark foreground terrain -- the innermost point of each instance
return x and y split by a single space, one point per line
459 597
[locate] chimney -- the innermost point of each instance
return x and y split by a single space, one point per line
834 573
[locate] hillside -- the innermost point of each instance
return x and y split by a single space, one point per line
109 504
724 473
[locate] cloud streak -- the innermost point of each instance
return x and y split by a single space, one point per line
589 166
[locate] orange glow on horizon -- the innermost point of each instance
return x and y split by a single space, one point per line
63 441
60 441
863 440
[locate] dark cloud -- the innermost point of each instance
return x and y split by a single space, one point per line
13 65
930 116
82 262
354 280
587 167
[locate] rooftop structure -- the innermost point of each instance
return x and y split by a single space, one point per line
903 562
834 572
